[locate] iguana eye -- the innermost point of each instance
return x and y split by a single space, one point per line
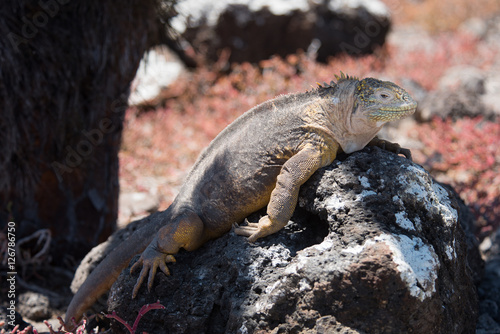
385 96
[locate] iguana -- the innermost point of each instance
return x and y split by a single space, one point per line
261 159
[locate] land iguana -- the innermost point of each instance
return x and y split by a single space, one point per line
261 159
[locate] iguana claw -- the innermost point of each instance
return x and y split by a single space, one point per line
263 228
391 147
150 260
248 230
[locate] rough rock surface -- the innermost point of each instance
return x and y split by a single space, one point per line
489 289
34 305
254 30
375 247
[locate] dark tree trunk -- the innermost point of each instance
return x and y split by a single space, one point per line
66 67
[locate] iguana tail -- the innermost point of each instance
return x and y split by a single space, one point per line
105 274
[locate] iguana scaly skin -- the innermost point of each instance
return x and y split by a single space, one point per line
260 159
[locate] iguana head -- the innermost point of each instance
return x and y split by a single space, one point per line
381 101
361 107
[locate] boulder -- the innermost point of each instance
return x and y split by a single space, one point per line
135 205
254 30
34 305
485 29
159 68
375 246
489 289
463 91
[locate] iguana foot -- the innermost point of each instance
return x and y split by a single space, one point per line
246 230
263 228
391 147
150 260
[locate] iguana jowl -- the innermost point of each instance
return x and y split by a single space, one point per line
260 159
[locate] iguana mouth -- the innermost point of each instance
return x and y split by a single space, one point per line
407 108
392 113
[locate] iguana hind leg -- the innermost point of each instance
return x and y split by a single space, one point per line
186 231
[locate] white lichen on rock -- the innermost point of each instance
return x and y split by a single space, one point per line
365 193
304 285
416 261
450 215
434 198
334 202
364 181
451 253
403 221
415 188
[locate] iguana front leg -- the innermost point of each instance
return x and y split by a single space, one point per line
391 147
297 170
